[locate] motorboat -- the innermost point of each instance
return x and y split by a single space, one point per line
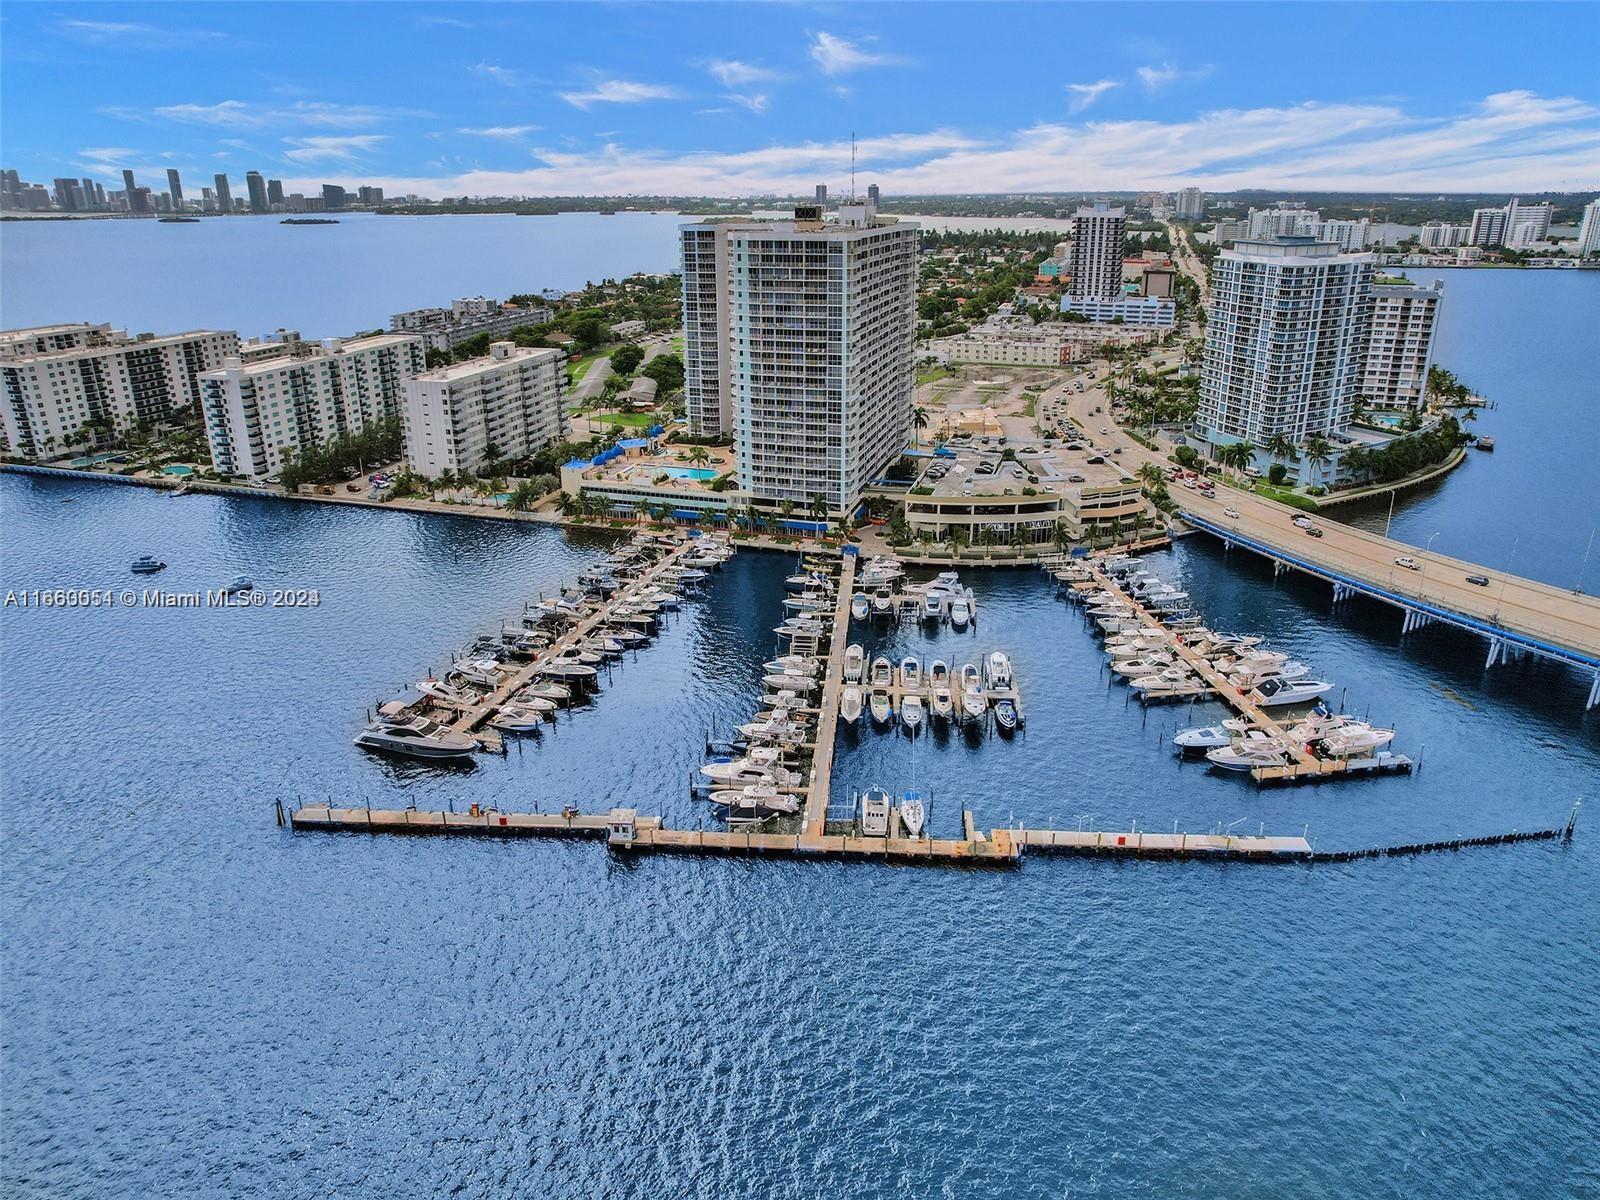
1169 681
807 603
523 716
913 813
933 606
910 673
1204 737
762 764
855 662
558 693
485 672
449 693
878 703
415 737
960 612
795 664
147 565
792 681
860 606
1005 715
850 704
567 667
1353 739
239 583
911 711
973 703
1249 754
1280 693
762 799
941 702
999 670
882 602
875 804
882 674
1147 664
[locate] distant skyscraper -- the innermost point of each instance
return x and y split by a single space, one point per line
68 195
224 196
872 192
333 197
138 197
1589 231
174 188
822 193
257 187
91 196
274 192
370 195
1098 233
1191 204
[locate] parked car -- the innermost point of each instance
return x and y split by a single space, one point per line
1074 478
1408 563
1478 580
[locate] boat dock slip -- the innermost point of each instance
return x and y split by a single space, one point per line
1163 845
814 824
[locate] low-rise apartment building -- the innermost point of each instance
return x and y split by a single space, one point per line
261 413
446 328
510 403
57 379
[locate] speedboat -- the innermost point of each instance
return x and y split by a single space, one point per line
1169 681
933 605
850 704
1147 664
147 566
762 799
910 673
448 693
960 612
973 703
882 675
485 672
913 813
1248 754
878 703
1005 715
855 662
523 716
1278 692
875 812
1353 740
792 681
911 712
999 670
1204 737
239 583
763 764
942 703
567 667
796 664
882 602
558 693
860 606
415 737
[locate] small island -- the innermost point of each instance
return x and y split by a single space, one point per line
308 221
179 220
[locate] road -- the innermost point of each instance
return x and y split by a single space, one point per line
1564 618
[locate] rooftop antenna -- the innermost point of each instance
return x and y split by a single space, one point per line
852 165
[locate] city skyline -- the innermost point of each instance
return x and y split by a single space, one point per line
678 100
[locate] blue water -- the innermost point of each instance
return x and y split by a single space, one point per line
197 1003
688 472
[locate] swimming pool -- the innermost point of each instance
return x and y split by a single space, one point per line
177 470
687 472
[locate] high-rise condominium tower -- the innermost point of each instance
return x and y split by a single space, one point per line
1098 233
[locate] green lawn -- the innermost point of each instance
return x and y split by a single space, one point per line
677 345
933 374
580 367
641 420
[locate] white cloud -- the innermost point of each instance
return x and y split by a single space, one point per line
619 91
1156 78
330 149
504 76
835 56
1085 94
237 114
732 73
1509 141
129 35
756 102
508 132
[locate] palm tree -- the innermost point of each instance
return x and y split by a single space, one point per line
752 516
565 504
699 455
1151 474
1281 447
919 422
1318 451
818 509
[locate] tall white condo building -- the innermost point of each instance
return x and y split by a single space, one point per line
1286 341
798 342
1098 234
509 402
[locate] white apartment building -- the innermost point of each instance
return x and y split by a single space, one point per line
1436 235
798 341
1400 348
1517 225
1146 312
1017 341
260 413
1351 236
447 328
511 400
1589 231
1226 230
1191 204
55 379
1285 342
1097 237
1281 220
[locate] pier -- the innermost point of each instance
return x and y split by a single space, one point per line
813 827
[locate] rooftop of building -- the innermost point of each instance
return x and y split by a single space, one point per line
1057 468
470 367
1298 247
257 357
101 337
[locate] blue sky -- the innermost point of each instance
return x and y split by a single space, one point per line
754 99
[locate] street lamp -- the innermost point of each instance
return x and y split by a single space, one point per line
1426 549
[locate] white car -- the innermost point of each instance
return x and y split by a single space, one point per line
1302 522
1232 513
1408 563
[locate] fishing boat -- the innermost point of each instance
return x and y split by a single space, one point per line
799 664
855 661
1005 715
875 804
860 606
999 667
913 813
757 798
878 703
960 612
911 712
882 674
910 673
850 704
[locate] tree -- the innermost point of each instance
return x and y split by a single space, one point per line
524 496
699 455
1151 474
818 509
565 504
919 422
626 359
1318 452
666 370
1281 446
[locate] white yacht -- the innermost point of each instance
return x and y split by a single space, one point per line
933 605
850 704
999 670
1249 753
485 672
913 813
1278 692
960 612
1148 664
449 693
882 710
855 662
910 673
797 664
1169 681
755 799
882 602
911 711
860 606
415 737
762 764
1204 737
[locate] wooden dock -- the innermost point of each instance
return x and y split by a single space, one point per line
814 824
